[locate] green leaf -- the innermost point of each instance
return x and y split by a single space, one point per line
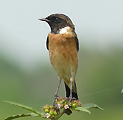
21 115
82 109
86 106
25 107
122 90
91 105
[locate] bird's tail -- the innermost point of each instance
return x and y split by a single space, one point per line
74 90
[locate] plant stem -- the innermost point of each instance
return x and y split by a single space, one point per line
64 111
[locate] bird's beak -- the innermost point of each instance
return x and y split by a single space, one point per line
44 19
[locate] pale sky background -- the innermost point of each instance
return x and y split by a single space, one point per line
23 37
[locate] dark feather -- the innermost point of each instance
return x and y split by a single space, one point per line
74 94
77 43
47 43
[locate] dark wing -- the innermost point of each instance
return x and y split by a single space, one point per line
77 43
47 43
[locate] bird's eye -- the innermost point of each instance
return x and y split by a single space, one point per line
56 19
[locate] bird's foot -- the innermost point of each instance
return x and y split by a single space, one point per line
54 101
70 99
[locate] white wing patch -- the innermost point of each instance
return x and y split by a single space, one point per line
64 30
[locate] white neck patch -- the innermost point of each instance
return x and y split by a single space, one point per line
64 30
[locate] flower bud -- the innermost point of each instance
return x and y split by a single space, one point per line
46 110
74 105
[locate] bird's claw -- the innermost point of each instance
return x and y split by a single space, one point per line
55 97
70 99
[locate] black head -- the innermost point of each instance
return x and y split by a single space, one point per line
57 22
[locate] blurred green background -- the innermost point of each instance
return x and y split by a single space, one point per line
99 80
26 75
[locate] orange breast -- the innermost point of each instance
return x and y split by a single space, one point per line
63 55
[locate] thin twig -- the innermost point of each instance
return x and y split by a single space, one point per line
64 111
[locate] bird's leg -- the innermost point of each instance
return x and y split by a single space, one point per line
71 85
71 81
71 89
56 94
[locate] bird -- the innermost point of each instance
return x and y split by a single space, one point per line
63 46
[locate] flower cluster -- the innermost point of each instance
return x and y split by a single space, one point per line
61 103
50 111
